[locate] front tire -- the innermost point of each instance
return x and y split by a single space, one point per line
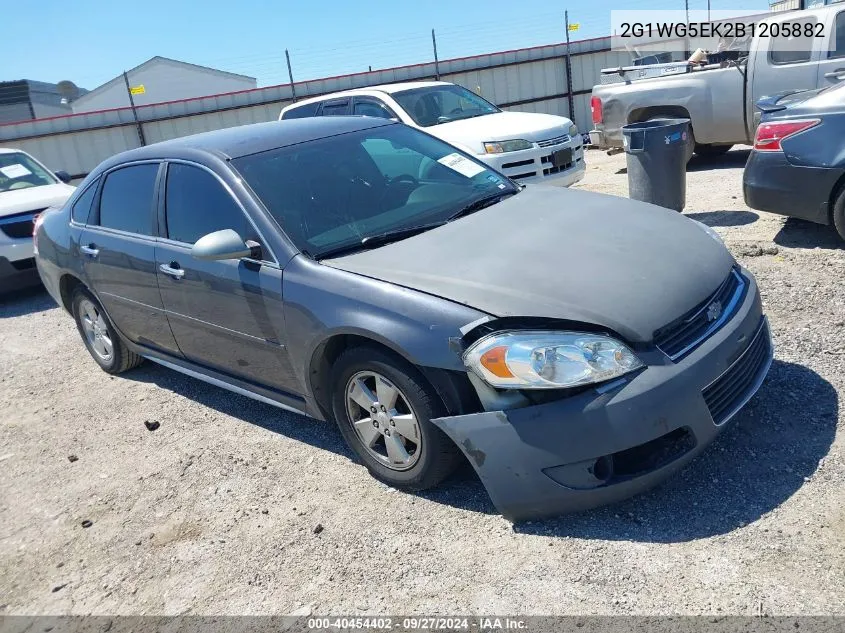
100 338
384 407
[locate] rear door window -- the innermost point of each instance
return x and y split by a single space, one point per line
126 203
838 43
196 203
785 49
336 107
82 207
302 112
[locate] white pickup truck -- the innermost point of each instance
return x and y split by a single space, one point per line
719 98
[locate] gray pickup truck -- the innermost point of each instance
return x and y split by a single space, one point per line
719 98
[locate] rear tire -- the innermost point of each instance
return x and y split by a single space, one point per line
398 443
99 336
838 213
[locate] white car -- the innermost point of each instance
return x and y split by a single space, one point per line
525 146
26 188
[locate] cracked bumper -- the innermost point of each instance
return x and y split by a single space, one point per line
600 447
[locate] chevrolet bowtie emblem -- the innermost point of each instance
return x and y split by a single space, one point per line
714 311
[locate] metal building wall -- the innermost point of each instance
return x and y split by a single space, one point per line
526 80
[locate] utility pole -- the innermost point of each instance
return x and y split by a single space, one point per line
436 61
688 52
569 96
140 128
290 76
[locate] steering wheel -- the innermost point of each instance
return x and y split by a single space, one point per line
403 178
21 184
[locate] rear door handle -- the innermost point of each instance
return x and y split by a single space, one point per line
172 269
835 74
91 250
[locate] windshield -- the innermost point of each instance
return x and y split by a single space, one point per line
336 191
432 105
19 171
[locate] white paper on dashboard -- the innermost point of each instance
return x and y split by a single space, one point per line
15 171
462 165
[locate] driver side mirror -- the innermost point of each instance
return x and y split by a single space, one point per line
225 244
63 176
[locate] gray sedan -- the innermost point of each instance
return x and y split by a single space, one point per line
576 348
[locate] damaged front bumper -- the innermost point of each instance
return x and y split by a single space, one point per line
621 439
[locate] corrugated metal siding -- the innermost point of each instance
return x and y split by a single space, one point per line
78 152
785 5
527 80
14 111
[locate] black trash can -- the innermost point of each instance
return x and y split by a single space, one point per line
657 152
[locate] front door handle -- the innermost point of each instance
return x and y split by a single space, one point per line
91 250
835 74
172 269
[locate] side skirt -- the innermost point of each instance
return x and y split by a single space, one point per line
224 381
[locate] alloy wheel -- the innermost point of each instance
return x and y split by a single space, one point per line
383 420
96 331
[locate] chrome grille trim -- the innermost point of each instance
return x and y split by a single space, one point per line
557 140
729 308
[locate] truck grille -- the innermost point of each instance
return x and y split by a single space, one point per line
731 390
685 334
554 141
19 226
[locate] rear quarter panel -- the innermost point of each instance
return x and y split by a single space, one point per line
821 145
58 250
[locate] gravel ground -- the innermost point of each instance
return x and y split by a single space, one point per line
231 506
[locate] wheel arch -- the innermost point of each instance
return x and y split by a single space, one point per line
453 388
637 115
68 283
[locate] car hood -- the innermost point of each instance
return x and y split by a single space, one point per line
501 126
33 198
563 254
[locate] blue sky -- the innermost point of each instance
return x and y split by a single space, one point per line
91 41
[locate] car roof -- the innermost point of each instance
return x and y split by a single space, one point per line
243 140
385 88
407 85
11 150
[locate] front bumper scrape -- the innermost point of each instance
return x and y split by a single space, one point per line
597 448
521 488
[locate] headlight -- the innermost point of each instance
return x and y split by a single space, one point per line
548 360
499 147
709 230
573 131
